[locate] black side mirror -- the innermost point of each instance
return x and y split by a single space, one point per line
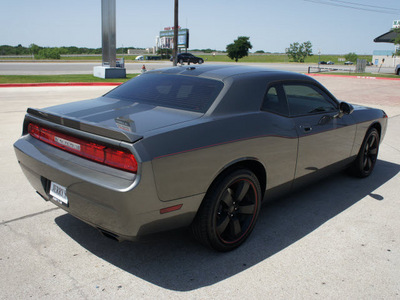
346 108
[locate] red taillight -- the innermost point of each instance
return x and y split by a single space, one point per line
120 159
34 130
112 157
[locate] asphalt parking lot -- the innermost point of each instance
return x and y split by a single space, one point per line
338 239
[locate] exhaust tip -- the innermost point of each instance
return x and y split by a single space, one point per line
109 235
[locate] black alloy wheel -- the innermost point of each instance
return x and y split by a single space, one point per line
229 211
366 159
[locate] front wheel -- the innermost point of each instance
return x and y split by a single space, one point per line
200 61
229 211
366 159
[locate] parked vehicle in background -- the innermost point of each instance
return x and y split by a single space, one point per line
322 62
397 70
330 63
139 57
188 58
348 62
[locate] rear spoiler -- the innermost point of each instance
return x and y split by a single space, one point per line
86 127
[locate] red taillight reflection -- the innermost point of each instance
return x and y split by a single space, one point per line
112 157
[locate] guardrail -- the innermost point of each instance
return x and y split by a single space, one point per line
328 69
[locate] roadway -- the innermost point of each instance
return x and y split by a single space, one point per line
59 68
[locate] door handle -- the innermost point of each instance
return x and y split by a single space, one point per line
306 128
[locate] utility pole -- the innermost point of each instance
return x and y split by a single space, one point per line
175 53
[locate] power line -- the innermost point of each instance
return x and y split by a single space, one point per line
357 6
361 4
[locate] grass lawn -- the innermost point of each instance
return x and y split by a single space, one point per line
59 78
281 58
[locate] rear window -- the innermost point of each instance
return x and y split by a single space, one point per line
174 91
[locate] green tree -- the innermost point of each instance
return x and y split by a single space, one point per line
34 49
48 53
239 48
298 52
351 57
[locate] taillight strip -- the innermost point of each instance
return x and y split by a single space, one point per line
115 158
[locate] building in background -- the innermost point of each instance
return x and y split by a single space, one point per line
386 58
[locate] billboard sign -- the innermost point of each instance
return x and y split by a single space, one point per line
167 38
396 24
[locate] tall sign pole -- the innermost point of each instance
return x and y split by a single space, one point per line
108 27
175 54
109 68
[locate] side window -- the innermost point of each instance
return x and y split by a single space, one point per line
275 103
306 99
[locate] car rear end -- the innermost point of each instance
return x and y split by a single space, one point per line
90 159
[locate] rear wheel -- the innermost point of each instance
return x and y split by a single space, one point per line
229 211
366 159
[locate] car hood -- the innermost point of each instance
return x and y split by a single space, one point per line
114 118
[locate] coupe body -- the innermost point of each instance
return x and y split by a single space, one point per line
202 146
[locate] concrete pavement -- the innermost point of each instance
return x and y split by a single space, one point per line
337 239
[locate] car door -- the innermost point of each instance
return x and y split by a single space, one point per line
281 144
325 136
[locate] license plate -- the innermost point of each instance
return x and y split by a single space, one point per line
59 193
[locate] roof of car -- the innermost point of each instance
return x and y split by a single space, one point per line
222 72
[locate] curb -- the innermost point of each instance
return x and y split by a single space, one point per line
357 77
49 84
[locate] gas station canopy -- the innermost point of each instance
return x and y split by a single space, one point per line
387 37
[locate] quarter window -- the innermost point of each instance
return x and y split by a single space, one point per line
275 103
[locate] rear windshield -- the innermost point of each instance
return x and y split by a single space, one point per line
174 91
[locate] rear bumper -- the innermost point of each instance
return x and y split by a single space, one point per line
123 204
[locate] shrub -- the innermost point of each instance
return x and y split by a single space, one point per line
48 53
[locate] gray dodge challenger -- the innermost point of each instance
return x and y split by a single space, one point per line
200 146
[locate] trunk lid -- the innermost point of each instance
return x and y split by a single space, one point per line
114 118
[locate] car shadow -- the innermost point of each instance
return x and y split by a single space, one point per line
175 261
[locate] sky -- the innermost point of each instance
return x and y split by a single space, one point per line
332 26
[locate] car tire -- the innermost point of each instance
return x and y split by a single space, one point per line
200 61
368 154
229 211
181 61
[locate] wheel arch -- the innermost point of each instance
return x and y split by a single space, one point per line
252 164
378 127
